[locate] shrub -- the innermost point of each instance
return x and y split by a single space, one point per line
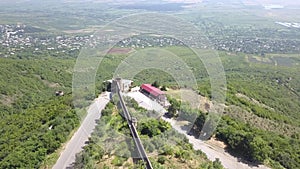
161 159
118 161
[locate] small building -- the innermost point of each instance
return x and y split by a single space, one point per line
154 93
124 84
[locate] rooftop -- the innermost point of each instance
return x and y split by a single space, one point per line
152 90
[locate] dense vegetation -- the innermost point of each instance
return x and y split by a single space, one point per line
34 122
259 146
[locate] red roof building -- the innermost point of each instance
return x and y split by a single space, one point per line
153 92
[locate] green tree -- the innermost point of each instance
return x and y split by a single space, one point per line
217 164
155 84
173 108
259 149
153 127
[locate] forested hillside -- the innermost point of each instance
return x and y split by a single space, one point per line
34 121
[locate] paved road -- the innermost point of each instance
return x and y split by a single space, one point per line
212 152
74 146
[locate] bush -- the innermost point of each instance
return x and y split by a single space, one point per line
217 164
118 161
153 127
161 159
183 155
168 150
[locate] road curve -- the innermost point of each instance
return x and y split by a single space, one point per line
78 140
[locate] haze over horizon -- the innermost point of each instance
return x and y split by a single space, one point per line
254 2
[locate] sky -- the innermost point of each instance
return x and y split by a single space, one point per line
246 2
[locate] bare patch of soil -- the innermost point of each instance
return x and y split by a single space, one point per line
119 51
48 83
193 98
7 100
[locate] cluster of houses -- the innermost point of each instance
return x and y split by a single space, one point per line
19 38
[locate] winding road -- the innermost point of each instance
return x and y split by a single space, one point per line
79 139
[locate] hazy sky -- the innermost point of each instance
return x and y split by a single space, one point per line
249 2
